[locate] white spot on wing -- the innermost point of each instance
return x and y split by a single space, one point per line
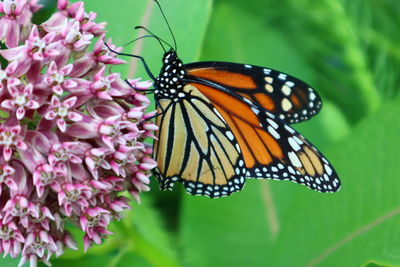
328 170
272 123
269 79
294 144
286 104
294 159
282 76
286 90
274 133
229 135
290 84
312 96
267 71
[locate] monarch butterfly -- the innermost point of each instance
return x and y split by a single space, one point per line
220 123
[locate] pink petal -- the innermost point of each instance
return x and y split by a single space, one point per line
48 38
50 115
150 127
62 4
52 52
83 130
55 102
70 242
38 56
70 102
21 145
99 74
10 69
32 104
57 89
61 125
13 53
108 141
70 84
97 85
98 47
7 152
104 95
12 34
75 159
81 44
8 170
20 113
52 68
34 34
143 177
74 116
66 70
83 222
7 7
112 77
13 91
16 129
13 81
8 104
82 66
28 89
11 184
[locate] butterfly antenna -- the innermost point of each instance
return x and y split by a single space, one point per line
169 27
147 36
151 33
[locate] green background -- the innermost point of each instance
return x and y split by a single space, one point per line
349 50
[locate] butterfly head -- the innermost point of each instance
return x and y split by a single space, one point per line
171 74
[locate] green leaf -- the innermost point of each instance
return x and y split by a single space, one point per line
359 224
9 262
230 231
154 243
88 260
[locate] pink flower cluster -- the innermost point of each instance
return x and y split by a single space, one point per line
71 132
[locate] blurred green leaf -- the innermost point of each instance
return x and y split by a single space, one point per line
230 231
9 262
150 227
360 223
88 260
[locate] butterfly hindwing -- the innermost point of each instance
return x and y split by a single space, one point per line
197 148
287 97
300 161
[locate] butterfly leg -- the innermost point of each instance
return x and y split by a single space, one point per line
135 56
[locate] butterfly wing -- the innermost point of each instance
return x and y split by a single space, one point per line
197 148
270 148
290 99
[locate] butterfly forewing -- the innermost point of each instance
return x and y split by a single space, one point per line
287 97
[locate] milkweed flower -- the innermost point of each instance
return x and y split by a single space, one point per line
71 132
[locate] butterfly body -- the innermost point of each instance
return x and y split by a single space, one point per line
221 123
